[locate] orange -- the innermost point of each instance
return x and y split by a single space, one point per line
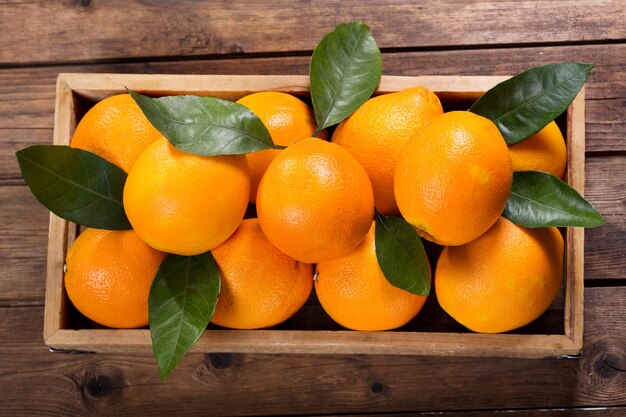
261 286
287 118
453 178
109 274
544 151
377 131
354 292
503 280
315 201
183 203
115 129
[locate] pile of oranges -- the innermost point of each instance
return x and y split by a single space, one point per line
448 174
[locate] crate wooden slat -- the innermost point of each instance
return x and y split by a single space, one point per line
73 88
575 240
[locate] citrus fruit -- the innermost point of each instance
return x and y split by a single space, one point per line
115 129
453 178
377 131
287 118
315 201
183 203
261 286
503 280
108 276
354 292
544 151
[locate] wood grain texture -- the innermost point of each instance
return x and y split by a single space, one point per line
605 246
91 30
575 237
23 242
35 381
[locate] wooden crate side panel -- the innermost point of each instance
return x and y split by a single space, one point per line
99 86
54 319
575 260
330 342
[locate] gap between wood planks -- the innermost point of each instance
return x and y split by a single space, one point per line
521 412
21 303
302 53
601 282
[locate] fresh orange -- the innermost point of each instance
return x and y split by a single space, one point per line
544 151
109 274
315 201
377 131
261 286
183 203
115 129
354 292
287 118
503 280
453 178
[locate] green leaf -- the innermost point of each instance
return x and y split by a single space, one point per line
206 125
539 199
524 104
76 185
182 300
346 67
401 255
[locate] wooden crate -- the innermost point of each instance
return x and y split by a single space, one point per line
76 92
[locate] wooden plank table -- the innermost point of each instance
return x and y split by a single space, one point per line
40 39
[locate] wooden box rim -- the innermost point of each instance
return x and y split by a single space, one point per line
61 234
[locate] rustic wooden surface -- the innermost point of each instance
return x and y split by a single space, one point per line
43 38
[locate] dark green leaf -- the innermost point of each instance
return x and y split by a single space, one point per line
521 106
206 125
182 300
346 67
539 199
401 255
76 185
